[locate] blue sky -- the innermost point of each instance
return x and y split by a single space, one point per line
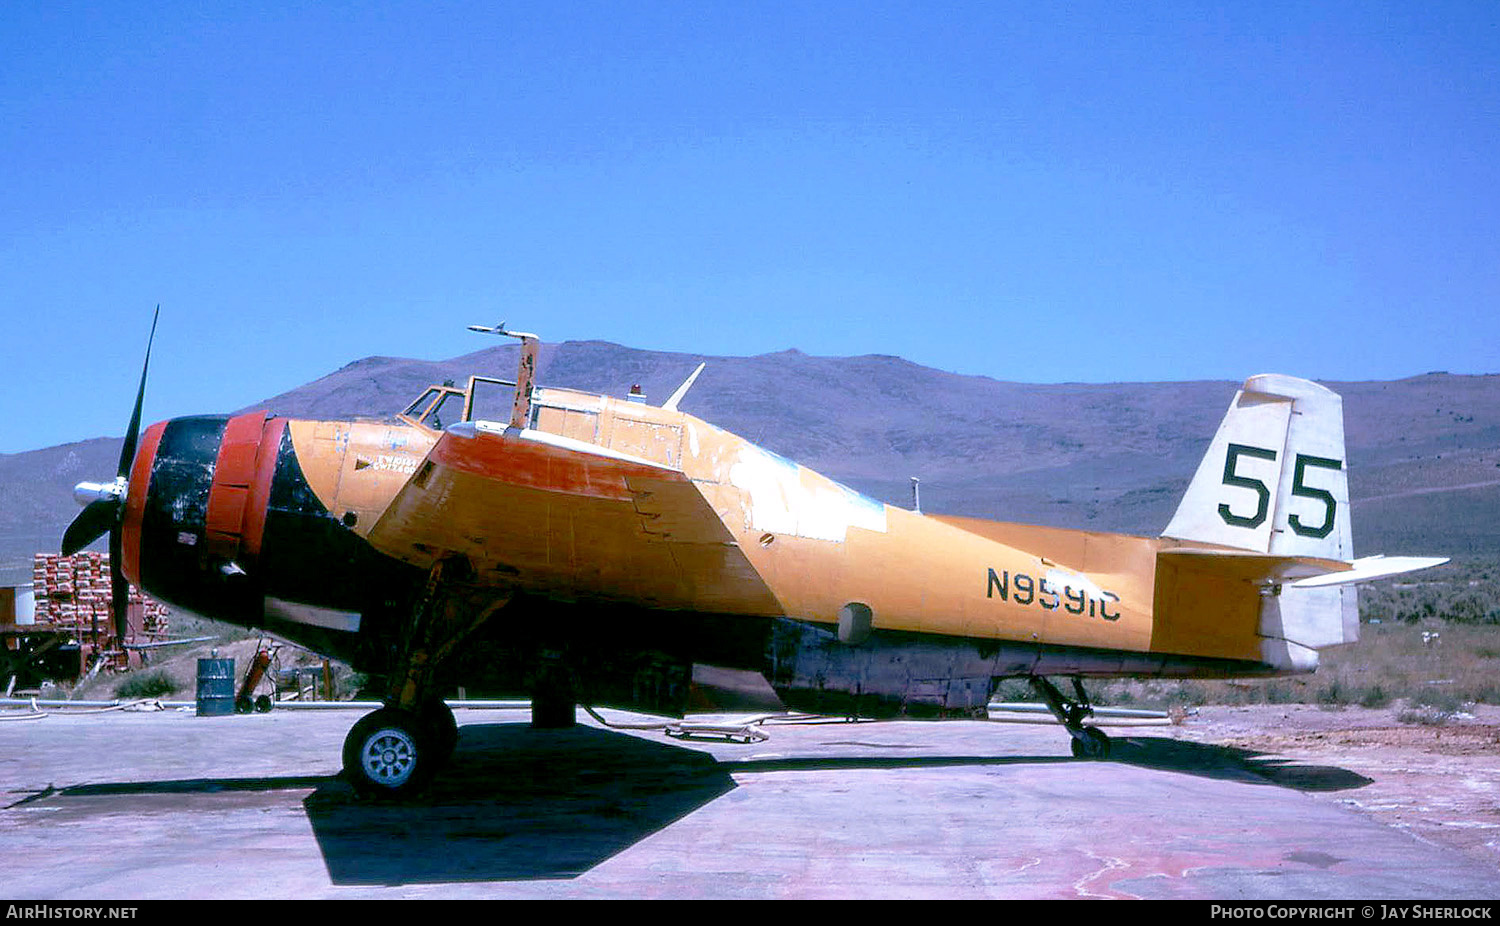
1028 191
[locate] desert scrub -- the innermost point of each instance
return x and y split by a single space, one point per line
1433 707
145 685
1389 663
1465 591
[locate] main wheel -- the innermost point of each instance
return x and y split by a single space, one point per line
390 754
439 721
1094 745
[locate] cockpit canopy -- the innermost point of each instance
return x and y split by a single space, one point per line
484 399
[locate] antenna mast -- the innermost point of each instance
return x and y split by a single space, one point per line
520 410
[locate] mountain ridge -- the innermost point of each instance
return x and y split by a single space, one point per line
1424 451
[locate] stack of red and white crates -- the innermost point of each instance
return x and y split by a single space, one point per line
72 593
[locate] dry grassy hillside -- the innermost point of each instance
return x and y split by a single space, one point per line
1424 453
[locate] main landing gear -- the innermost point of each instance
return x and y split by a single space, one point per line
394 752
1088 742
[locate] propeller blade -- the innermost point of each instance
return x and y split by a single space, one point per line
127 452
119 586
92 522
103 514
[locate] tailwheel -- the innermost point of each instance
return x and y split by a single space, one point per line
1087 742
1090 743
390 754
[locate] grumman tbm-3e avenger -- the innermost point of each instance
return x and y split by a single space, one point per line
586 549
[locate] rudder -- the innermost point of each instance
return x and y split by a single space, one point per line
1274 478
1274 481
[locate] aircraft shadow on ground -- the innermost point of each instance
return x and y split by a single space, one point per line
523 804
1232 762
1160 753
520 804
516 804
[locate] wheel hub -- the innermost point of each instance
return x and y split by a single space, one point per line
389 756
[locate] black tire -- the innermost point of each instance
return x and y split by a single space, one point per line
442 726
243 706
390 755
263 704
1094 745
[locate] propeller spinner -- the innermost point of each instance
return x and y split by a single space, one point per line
104 504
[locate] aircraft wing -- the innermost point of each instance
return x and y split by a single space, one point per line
540 513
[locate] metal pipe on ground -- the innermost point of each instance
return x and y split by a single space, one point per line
277 705
1021 707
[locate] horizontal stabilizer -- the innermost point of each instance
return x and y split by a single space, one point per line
1260 568
1301 571
1305 603
1369 568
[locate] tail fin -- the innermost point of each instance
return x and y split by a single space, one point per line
1273 480
1273 488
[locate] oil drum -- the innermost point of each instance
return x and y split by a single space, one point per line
215 687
